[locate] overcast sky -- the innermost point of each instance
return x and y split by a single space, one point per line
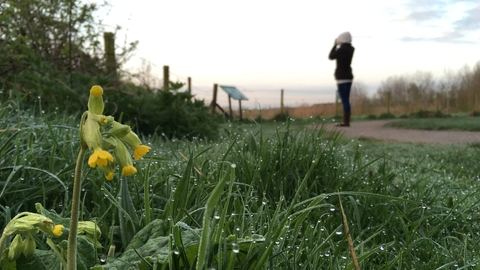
261 47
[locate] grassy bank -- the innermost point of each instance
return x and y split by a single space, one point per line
466 123
264 196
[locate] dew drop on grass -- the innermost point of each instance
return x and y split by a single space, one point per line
234 165
103 260
235 248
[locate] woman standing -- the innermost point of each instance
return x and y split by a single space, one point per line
342 51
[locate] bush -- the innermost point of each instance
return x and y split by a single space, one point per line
42 65
281 117
171 114
387 116
440 114
43 69
423 114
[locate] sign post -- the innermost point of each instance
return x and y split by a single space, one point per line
233 92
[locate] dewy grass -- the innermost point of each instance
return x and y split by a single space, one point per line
464 123
408 206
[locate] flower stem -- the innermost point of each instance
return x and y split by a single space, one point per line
72 236
56 251
2 243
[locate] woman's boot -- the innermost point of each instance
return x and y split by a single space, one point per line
346 120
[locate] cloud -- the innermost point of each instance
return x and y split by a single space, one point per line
446 37
446 21
421 16
471 21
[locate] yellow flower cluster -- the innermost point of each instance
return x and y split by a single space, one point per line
24 226
102 133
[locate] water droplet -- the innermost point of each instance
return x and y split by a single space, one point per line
235 248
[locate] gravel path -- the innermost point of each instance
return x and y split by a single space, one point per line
377 130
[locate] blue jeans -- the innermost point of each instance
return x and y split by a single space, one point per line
344 93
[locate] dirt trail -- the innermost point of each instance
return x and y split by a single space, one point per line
377 130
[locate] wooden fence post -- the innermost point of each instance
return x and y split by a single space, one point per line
282 107
230 106
476 103
240 108
214 99
388 102
190 85
109 47
448 103
166 78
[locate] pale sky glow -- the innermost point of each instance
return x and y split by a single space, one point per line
264 46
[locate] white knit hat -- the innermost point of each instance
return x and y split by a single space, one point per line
344 37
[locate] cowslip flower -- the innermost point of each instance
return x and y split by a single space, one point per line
139 150
102 133
29 223
108 171
95 100
99 158
57 230
130 138
124 159
129 170
90 130
90 231
26 225
16 248
29 246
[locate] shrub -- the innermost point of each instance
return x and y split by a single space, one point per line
423 114
440 114
171 114
386 116
281 117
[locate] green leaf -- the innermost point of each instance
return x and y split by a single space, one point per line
5 264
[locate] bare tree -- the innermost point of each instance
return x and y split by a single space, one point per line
359 98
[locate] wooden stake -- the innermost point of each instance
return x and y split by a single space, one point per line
388 102
230 106
214 100
240 108
282 107
166 79
109 48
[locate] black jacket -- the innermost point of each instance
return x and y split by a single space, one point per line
344 55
